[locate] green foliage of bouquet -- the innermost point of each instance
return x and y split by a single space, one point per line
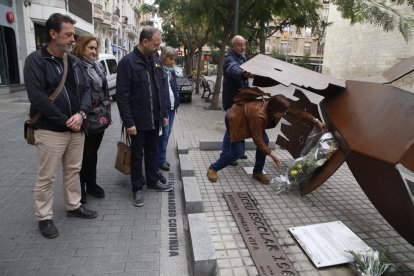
303 167
371 262
319 147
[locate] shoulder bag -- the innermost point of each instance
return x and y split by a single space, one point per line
28 124
98 117
123 156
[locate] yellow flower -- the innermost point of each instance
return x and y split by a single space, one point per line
299 165
293 172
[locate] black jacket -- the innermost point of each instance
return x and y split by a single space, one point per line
42 75
134 93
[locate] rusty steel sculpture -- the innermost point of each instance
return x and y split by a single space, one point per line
373 123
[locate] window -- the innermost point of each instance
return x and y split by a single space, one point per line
285 47
325 14
321 47
308 32
307 48
8 3
112 66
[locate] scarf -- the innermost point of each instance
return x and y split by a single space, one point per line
96 74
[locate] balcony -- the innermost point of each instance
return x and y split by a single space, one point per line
97 12
135 8
131 30
116 14
107 18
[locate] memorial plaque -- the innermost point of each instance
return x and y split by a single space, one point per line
327 243
267 254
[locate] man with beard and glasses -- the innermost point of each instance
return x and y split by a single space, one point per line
141 103
59 132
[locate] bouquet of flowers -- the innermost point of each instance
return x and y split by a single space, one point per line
370 262
319 147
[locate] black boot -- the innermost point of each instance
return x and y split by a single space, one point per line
95 190
83 194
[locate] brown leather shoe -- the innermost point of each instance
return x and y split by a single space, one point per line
262 178
212 174
48 229
82 212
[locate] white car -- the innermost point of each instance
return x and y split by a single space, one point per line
110 65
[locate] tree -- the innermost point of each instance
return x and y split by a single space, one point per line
304 61
380 13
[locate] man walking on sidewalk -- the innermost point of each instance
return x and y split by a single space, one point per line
58 132
140 98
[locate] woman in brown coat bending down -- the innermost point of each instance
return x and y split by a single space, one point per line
249 117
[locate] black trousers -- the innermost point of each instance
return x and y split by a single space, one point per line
90 159
144 145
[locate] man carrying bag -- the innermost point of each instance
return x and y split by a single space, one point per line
58 131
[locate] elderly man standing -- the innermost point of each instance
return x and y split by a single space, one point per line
139 94
234 78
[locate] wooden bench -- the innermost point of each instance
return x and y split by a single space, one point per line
208 89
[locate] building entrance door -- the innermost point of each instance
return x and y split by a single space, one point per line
9 67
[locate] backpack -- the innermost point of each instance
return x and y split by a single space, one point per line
247 94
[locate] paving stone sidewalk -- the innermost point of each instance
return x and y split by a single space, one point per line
340 198
123 240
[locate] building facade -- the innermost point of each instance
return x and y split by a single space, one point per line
22 31
117 25
115 22
294 44
362 50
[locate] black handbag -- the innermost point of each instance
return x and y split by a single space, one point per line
98 117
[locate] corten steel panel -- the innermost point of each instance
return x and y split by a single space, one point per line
396 72
374 119
382 183
374 124
298 130
287 74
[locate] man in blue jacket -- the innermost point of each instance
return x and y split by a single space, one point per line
139 93
234 78
58 132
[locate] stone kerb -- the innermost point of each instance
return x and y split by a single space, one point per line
182 147
192 196
203 254
217 145
186 166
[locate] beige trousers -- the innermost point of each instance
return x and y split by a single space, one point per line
53 147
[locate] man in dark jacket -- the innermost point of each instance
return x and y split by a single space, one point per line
58 132
234 78
140 97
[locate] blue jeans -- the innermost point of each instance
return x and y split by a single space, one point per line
163 139
230 152
144 146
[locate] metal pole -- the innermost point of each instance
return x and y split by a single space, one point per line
236 17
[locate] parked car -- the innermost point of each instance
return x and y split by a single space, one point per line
185 88
110 65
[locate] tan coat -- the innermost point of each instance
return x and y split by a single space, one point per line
250 120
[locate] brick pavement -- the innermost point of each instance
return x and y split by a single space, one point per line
123 240
340 198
